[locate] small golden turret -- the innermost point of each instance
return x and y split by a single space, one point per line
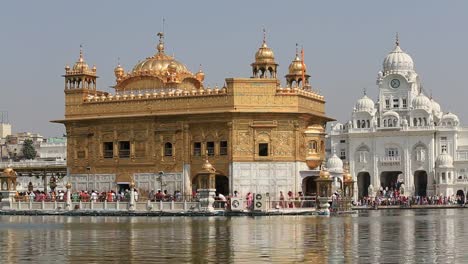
200 75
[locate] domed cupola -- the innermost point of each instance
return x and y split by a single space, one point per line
264 61
444 160
365 104
80 65
297 71
159 71
397 61
160 63
436 111
422 102
335 164
435 106
119 72
449 119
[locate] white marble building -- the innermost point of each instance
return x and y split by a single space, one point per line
403 136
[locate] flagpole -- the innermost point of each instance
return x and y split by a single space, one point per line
303 67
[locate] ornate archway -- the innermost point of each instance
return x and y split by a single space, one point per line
420 183
309 186
363 179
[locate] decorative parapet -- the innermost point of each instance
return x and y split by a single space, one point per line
298 91
155 95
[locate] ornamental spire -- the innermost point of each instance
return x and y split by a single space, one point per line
81 53
397 40
160 46
264 35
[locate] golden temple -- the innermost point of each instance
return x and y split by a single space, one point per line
162 120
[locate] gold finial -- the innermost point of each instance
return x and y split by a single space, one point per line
297 50
160 46
81 53
264 35
118 61
397 39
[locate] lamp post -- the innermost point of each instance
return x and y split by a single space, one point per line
87 178
131 204
68 202
160 179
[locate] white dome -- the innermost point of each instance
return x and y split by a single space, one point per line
391 113
337 127
449 119
398 61
435 106
422 102
334 164
365 104
444 160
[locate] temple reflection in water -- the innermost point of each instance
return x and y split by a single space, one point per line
403 236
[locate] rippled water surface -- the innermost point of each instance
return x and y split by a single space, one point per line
398 236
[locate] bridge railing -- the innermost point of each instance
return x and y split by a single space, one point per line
33 163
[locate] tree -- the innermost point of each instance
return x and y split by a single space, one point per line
28 149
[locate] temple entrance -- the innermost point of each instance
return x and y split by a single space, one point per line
460 197
363 180
309 186
389 179
222 184
420 183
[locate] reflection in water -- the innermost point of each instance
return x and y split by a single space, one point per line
404 236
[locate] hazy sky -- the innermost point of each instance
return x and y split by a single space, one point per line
345 43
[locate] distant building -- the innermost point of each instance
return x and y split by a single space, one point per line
404 137
54 148
5 130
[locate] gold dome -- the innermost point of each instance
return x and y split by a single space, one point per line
347 177
208 167
200 75
68 186
8 171
324 174
295 68
172 67
264 54
119 71
80 65
160 62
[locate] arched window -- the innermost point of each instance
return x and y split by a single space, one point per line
313 146
368 123
385 123
168 149
359 124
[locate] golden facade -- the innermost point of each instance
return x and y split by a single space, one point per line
163 118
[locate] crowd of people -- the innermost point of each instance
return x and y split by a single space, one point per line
83 196
390 196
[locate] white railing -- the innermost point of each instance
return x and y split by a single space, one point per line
360 130
33 163
462 155
390 161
